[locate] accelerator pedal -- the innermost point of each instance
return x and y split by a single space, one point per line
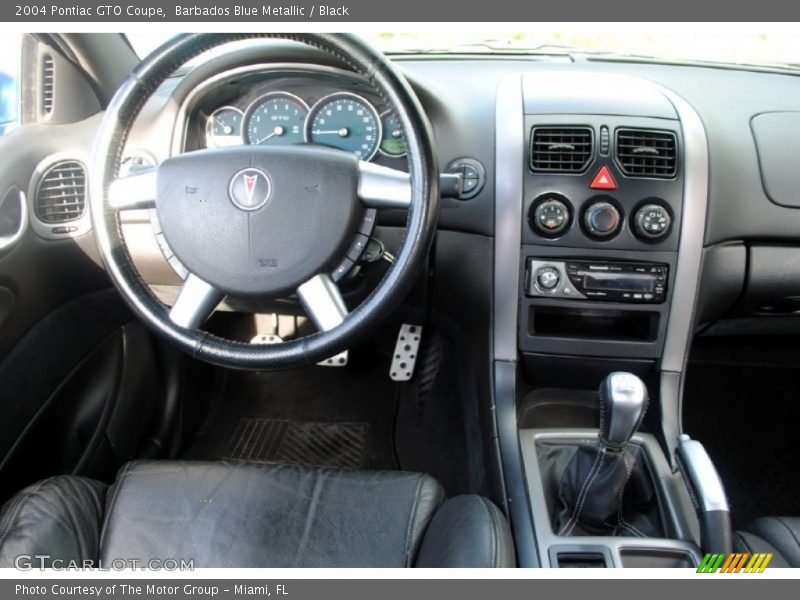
405 353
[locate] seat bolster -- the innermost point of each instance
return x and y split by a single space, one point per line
467 531
59 518
752 544
428 498
782 533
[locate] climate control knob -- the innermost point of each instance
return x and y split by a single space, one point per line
601 219
652 221
550 216
547 278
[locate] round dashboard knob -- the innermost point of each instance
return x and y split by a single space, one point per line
601 219
547 278
551 216
652 221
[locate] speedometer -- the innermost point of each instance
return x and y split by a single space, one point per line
276 119
347 122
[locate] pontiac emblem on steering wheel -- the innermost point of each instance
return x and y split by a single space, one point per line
250 188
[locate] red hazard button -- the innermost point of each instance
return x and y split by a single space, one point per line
603 180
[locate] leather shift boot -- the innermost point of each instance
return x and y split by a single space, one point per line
607 492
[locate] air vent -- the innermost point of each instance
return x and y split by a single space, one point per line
48 84
561 149
647 153
61 195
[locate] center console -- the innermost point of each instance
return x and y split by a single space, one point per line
601 189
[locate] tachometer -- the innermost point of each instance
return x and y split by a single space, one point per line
276 119
224 127
393 142
347 122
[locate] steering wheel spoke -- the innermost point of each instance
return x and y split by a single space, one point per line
322 301
195 303
382 187
134 192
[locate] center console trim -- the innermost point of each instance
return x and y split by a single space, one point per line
688 269
509 165
509 159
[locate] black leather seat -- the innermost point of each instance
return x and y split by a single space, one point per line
778 535
255 515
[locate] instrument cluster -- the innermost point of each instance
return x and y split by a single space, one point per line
340 119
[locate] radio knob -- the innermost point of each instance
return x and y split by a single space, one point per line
601 219
652 221
551 216
547 278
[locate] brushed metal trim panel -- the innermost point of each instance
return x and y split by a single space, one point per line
509 165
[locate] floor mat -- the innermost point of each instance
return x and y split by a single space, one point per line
339 445
317 416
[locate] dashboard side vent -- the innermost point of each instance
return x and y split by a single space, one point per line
561 149
61 195
647 153
48 84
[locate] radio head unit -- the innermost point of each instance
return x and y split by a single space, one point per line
597 280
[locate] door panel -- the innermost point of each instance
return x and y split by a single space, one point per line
79 377
42 274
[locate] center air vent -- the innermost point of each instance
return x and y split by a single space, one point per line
647 153
61 195
48 84
561 149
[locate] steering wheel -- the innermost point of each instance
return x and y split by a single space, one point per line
263 222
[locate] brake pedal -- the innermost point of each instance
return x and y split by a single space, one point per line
267 339
405 352
340 360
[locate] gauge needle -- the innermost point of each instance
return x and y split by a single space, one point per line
396 133
226 129
343 132
277 131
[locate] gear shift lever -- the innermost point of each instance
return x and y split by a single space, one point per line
605 488
623 402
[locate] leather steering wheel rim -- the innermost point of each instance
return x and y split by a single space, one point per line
421 223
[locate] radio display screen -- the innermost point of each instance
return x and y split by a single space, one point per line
612 282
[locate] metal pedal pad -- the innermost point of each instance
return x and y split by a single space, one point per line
340 360
405 352
267 339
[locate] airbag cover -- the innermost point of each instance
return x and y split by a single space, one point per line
259 221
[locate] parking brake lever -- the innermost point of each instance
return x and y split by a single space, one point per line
707 493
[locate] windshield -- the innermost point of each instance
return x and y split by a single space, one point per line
715 44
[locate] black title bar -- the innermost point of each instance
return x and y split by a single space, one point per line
341 11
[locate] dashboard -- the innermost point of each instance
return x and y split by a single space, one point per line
280 95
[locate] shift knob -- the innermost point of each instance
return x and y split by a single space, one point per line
623 402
